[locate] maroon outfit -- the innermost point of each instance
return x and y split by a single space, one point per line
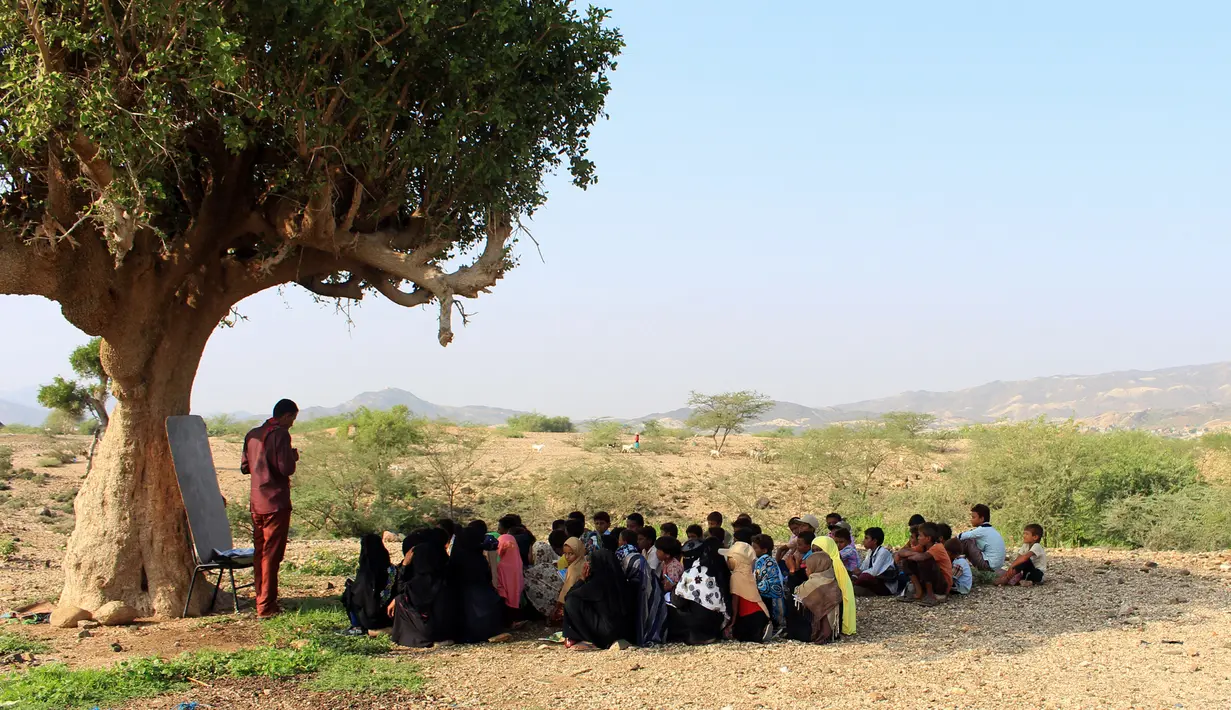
269 461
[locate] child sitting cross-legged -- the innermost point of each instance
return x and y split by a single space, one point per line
846 550
963 575
1031 562
930 571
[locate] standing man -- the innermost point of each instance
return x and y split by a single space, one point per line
269 460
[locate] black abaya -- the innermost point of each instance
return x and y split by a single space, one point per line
362 596
596 609
480 611
424 611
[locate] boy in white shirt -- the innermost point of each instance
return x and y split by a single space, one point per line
1031 563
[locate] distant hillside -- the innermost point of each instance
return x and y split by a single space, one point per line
388 398
1189 396
13 413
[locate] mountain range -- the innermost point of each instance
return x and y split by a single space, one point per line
1176 399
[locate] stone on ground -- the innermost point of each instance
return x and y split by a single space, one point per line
67 617
115 614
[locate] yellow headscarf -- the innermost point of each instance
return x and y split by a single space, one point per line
573 576
829 547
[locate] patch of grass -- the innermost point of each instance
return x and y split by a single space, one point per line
324 563
58 686
15 643
318 623
299 643
359 674
67 496
48 462
7 548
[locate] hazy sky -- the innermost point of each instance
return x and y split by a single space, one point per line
825 202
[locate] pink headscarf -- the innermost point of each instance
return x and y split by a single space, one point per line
509 573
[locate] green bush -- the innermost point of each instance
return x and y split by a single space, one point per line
782 432
61 422
347 486
654 429
535 422
1063 479
617 485
7 548
604 435
221 425
1194 518
6 462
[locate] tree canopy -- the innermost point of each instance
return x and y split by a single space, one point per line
230 146
161 161
728 412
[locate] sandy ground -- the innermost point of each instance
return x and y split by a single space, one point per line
1107 630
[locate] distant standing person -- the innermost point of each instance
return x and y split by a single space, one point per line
637 441
269 460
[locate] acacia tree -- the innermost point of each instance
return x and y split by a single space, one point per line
726 413
160 161
88 392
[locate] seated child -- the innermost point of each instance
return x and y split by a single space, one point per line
846 551
646 537
1031 562
670 569
670 530
694 532
719 533
930 571
743 535
878 574
963 575
769 580
794 560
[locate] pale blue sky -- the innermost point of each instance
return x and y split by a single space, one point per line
826 202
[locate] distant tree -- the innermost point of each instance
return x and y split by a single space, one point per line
161 161
727 413
87 392
911 424
539 423
450 459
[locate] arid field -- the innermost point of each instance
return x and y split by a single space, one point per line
1110 628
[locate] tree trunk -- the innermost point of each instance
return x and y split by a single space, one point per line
131 542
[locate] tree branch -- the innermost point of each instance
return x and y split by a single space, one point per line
351 288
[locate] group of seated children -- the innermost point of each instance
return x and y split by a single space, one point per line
631 584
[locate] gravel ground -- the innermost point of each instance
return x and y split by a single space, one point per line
1107 631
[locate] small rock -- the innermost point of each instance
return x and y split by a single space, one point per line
762 503
1120 580
1084 664
544 646
1185 572
88 624
329 586
728 707
784 669
620 645
1070 580
115 614
115 646
67 617
1125 609
44 512
1151 564
84 634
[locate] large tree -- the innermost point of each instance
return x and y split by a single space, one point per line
160 161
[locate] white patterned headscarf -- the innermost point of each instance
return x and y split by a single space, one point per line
699 586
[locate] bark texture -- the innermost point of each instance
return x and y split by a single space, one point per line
131 542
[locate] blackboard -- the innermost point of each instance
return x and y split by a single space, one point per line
194 468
